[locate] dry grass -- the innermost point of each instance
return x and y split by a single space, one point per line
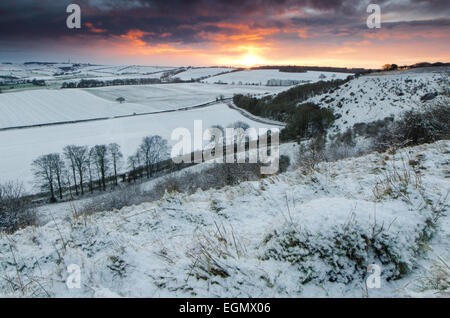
212 250
437 277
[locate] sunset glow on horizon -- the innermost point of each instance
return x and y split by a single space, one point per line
226 33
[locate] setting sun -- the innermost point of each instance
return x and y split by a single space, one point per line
251 60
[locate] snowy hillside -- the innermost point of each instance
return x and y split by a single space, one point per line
295 234
374 97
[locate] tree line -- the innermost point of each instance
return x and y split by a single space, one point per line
81 168
283 106
89 83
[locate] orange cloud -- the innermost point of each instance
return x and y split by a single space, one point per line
241 32
357 43
94 29
135 37
303 33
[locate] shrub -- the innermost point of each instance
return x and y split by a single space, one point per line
115 200
311 152
284 163
216 177
341 250
308 120
16 211
416 128
345 252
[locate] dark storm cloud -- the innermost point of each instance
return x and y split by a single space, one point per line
187 21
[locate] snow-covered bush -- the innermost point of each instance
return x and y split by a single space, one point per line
311 152
418 127
348 238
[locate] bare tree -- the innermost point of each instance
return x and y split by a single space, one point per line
153 149
44 172
134 163
101 160
90 162
58 166
78 157
116 156
81 157
69 153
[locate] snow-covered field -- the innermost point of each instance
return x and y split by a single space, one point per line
261 77
247 240
19 147
36 107
175 96
44 106
70 70
32 107
370 98
202 72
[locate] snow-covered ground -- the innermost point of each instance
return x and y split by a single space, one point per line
19 147
43 106
202 72
261 77
175 96
370 98
248 240
71 70
36 107
55 74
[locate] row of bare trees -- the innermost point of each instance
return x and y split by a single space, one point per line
79 167
56 172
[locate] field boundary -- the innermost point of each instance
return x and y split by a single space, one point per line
223 101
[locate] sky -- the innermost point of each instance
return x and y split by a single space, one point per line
226 33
